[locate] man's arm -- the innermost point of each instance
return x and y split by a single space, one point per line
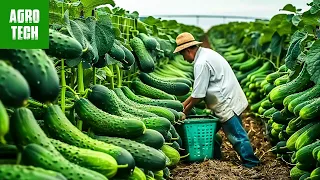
186 102
191 104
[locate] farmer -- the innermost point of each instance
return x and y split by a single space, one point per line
217 85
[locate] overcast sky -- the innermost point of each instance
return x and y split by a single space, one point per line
252 8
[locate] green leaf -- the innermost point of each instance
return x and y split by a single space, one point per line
295 49
315 7
311 19
289 7
105 35
74 30
296 19
89 5
275 44
313 61
266 35
281 24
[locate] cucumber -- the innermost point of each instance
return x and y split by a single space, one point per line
293 96
37 155
129 58
14 89
145 61
26 131
304 155
291 142
149 42
101 97
308 136
151 138
148 91
61 129
94 160
296 173
174 88
315 174
63 46
281 80
313 93
15 171
4 123
298 108
174 104
39 71
172 154
160 111
117 53
172 79
298 84
269 112
137 174
311 110
145 157
107 124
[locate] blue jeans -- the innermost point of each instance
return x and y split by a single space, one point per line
238 137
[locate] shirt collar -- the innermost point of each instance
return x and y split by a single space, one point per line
197 54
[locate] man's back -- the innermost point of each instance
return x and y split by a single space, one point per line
224 94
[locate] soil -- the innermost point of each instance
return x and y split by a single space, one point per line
229 167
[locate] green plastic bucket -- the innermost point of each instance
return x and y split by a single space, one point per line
198 137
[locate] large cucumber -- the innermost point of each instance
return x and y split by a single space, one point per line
13 171
4 123
25 130
313 93
148 91
298 84
62 129
174 104
145 61
175 88
39 71
39 156
63 46
145 157
151 138
94 160
107 124
311 110
160 111
14 89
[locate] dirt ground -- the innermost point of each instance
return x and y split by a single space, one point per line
229 167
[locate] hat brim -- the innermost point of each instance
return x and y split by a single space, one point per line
184 46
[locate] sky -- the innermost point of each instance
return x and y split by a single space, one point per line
252 8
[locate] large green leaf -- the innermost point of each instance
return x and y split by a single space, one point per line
74 30
313 61
266 35
281 24
295 49
276 44
315 7
89 5
289 7
311 19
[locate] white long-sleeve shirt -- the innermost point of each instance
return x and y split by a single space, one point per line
215 81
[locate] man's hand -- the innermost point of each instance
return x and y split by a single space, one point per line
183 117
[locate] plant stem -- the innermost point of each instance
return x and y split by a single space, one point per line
63 88
94 75
111 78
80 79
36 103
119 80
278 62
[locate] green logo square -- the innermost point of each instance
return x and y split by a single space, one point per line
24 24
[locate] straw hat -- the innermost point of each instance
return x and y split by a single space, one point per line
185 40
